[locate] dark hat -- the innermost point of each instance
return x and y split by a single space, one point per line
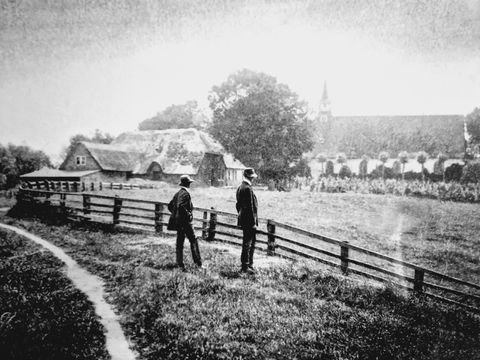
185 180
249 173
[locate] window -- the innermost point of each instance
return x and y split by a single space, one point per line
80 160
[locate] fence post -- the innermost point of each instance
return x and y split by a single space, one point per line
92 186
47 199
117 206
100 186
344 257
418 281
83 186
271 238
212 226
158 218
111 186
86 205
63 208
47 185
205 225
38 185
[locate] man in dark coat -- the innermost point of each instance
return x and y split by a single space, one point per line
181 219
247 219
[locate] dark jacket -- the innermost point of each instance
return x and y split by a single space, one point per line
181 208
246 206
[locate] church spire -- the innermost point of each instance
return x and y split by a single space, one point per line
325 93
325 106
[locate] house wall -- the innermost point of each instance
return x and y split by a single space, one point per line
107 176
233 177
212 170
70 164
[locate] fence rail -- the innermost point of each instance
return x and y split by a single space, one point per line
277 239
81 186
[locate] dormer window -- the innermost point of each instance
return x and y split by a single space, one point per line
81 160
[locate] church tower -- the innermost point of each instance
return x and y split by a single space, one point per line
323 122
325 109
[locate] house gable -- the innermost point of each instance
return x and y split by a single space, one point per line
80 159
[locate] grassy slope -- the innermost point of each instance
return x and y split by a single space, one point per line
42 316
285 312
439 235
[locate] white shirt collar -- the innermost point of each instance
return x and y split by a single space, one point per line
247 181
183 187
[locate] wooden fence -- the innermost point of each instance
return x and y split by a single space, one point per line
80 186
273 237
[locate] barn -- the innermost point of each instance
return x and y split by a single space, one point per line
161 155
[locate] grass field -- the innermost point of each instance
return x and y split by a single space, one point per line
287 311
439 235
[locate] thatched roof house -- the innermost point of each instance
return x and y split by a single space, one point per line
158 155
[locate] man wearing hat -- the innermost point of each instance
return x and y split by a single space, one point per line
247 219
181 219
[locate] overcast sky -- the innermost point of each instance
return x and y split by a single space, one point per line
73 66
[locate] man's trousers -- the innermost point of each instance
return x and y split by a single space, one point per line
187 231
248 247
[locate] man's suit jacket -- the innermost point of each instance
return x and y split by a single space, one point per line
246 206
181 208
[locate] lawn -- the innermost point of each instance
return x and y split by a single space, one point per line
287 311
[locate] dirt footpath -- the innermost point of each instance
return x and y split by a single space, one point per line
116 342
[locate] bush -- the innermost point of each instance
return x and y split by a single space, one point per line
345 172
471 172
363 167
453 172
329 168
378 172
412 175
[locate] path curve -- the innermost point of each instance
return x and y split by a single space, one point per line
116 342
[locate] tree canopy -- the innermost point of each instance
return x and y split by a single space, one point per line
262 122
182 116
18 160
473 129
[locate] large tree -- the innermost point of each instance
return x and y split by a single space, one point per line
182 116
262 122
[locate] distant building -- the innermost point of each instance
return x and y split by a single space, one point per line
157 155
368 135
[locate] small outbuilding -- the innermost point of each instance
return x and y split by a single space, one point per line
62 175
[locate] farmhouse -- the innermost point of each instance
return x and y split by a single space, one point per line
157 155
